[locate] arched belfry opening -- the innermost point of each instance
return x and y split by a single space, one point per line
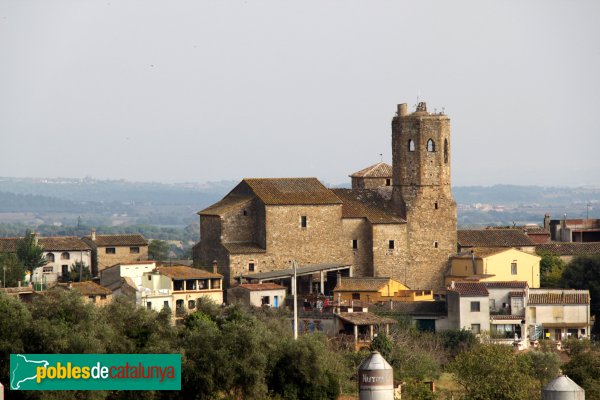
411 145
430 146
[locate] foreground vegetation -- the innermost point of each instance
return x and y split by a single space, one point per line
238 353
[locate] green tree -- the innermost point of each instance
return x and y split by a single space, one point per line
80 272
11 269
494 372
551 269
545 365
583 272
30 253
584 367
158 250
383 345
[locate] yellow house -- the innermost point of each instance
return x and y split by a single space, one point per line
373 290
493 264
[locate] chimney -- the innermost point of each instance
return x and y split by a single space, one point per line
215 266
547 222
93 235
402 110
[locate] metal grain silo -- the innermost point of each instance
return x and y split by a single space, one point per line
375 379
562 388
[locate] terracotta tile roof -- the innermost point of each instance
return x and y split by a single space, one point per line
493 238
506 284
49 243
516 294
558 296
291 191
369 204
570 249
480 252
469 289
229 203
364 318
361 284
87 288
183 272
243 248
59 243
134 239
379 170
255 287
8 245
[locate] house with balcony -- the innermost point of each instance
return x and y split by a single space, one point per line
179 288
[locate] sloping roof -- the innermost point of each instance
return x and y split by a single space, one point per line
379 170
480 252
361 284
256 287
8 245
516 294
469 289
419 307
87 288
570 249
291 191
506 284
134 239
558 296
228 203
50 243
369 204
184 272
243 248
493 238
364 318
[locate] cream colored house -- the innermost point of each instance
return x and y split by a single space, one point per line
374 290
468 307
179 287
258 294
492 264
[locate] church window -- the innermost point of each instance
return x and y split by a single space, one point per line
411 145
391 245
303 221
445 151
354 244
430 146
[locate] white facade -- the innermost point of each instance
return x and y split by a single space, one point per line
59 264
468 312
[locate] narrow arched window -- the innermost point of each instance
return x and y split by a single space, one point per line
411 145
65 256
50 257
446 151
430 145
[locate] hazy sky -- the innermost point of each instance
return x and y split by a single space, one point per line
215 89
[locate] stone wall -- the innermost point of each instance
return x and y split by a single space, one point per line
361 258
370 183
391 263
122 254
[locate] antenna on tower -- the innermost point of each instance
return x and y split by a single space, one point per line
381 156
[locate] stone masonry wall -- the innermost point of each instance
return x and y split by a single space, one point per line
122 254
388 262
362 258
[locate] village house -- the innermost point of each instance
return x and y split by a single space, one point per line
61 252
179 288
258 294
375 290
573 230
402 227
90 291
125 278
468 307
494 264
108 250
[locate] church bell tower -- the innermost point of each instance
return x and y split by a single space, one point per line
422 193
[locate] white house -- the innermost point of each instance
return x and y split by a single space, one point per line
468 306
258 294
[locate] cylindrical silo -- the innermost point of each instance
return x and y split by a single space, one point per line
562 388
375 379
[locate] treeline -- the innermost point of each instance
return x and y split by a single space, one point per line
188 234
12 202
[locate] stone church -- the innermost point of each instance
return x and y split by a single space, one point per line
397 221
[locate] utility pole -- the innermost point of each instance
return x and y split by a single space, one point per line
295 290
